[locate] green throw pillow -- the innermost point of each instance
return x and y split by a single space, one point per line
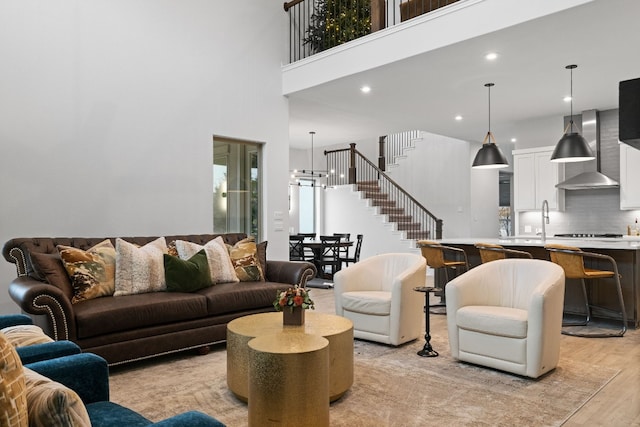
187 275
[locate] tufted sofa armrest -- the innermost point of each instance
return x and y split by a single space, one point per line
291 272
40 298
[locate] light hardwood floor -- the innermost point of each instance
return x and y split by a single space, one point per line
617 404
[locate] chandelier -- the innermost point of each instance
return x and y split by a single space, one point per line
309 177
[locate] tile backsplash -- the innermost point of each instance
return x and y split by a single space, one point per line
590 211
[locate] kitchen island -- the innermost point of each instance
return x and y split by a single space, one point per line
626 252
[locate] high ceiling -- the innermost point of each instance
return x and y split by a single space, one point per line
427 91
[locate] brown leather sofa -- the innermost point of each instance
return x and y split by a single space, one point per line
128 328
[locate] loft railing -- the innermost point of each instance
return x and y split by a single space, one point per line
318 25
349 166
395 144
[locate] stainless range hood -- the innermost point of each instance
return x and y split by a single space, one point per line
591 179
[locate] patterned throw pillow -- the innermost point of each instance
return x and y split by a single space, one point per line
51 404
92 272
220 266
187 275
244 257
171 248
140 270
25 335
13 391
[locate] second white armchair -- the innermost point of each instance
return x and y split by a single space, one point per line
377 295
507 315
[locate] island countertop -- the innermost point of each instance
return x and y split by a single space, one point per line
624 243
625 251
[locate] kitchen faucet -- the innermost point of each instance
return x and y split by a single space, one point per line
545 217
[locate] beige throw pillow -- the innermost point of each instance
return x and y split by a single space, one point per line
51 404
220 265
140 269
25 335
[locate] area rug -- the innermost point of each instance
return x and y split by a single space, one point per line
392 387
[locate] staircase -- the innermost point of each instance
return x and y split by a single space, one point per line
403 222
409 216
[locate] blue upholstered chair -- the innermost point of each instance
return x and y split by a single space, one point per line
88 375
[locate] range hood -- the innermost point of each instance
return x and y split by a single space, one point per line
591 179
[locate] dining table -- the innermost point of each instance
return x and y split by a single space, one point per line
316 247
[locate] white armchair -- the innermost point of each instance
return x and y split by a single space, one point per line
377 295
507 315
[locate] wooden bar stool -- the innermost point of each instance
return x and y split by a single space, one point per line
571 259
443 257
491 252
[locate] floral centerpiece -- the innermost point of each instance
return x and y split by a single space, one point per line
293 297
293 302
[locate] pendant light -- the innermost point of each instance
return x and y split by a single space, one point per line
489 156
572 147
309 177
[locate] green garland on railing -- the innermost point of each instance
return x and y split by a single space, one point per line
335 22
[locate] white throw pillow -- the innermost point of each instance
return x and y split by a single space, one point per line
220 265
140 269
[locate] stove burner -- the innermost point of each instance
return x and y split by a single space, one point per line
605 235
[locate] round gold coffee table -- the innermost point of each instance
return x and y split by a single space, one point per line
336 329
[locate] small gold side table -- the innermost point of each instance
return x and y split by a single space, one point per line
288 380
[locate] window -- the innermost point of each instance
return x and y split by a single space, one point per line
236 186
307 208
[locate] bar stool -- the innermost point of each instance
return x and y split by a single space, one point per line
443 257
571 259
491 252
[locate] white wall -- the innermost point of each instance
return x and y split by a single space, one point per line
109 106
436 173
346 212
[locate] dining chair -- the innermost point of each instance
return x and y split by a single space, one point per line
356 253
330 251
307 252
343 251
296 250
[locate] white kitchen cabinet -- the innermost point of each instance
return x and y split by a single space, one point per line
535 178
629 177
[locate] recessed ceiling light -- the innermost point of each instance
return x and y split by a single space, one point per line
458 117
514 140
491 56
365 89
567 99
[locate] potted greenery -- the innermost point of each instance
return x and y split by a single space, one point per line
334 22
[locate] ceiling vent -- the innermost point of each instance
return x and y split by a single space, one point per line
591 179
